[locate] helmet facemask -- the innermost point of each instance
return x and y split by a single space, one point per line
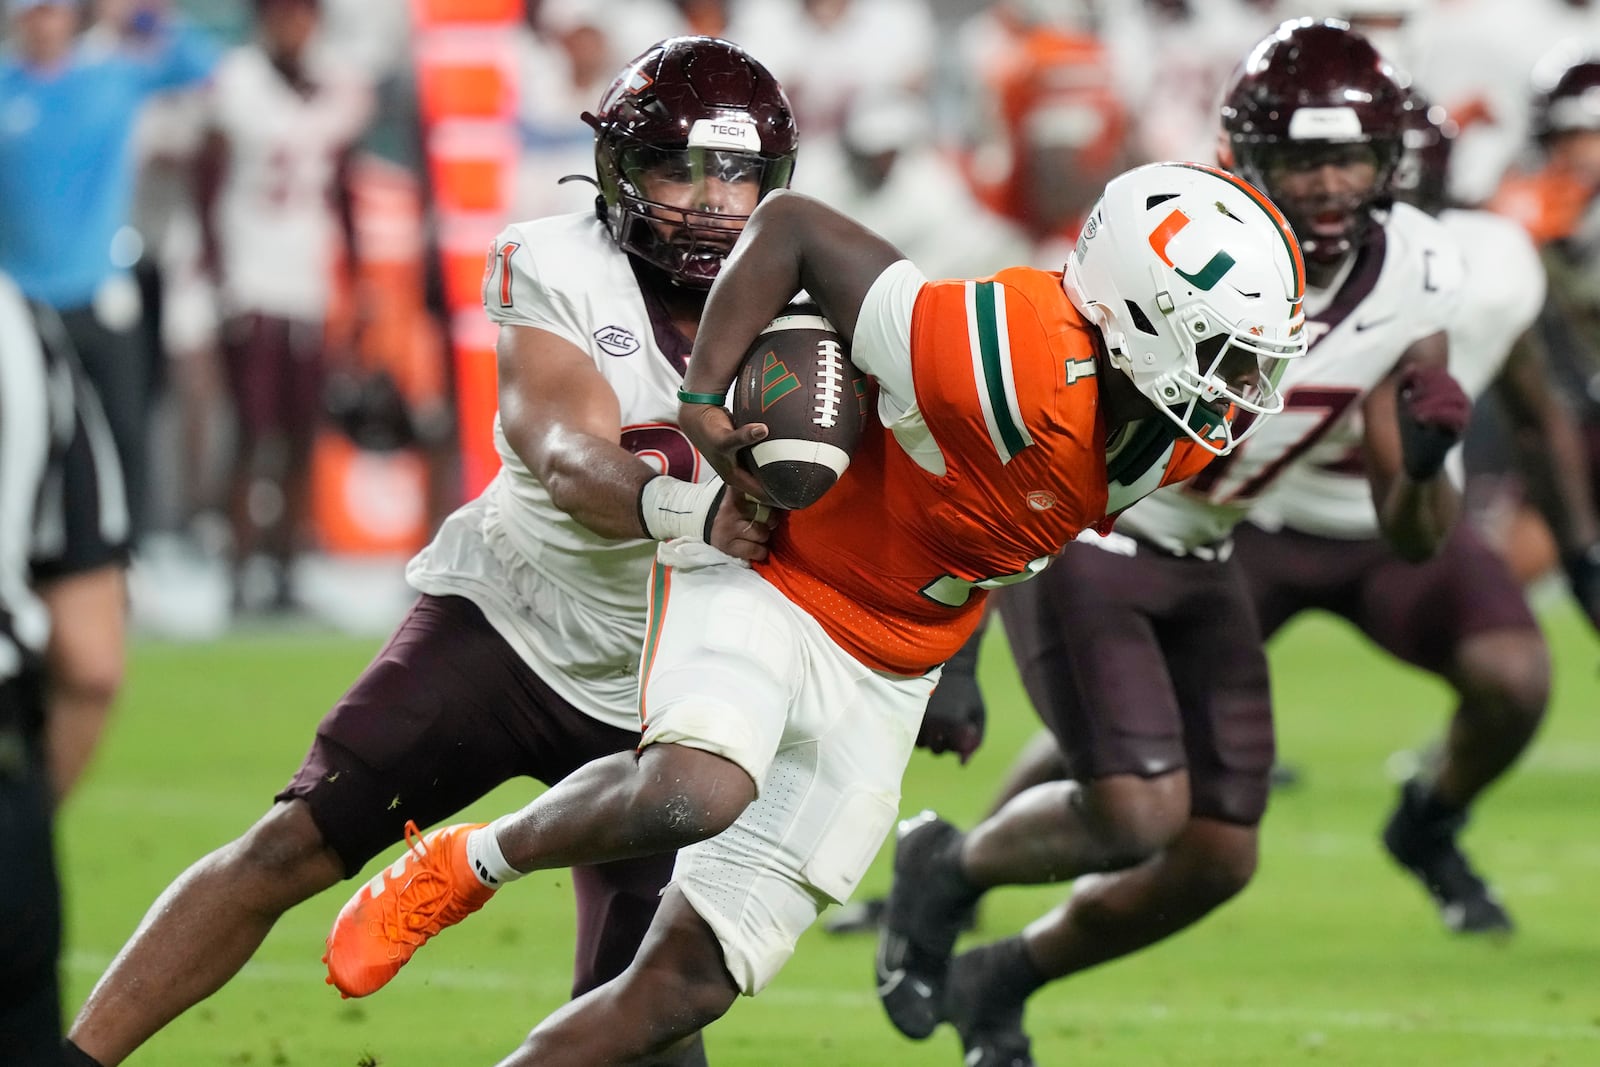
682 209
1221 378
1228 381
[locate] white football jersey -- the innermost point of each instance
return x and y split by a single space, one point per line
571 602
1504 291
1501 295
275 219
1401 288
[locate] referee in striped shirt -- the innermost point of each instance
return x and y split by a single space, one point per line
44 419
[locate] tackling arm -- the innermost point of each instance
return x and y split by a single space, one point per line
1415 511
562 419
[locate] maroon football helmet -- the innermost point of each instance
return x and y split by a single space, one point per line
1421 176
1312 93
1566 93
693 115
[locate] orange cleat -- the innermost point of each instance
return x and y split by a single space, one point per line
427 889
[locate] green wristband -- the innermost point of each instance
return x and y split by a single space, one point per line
687 397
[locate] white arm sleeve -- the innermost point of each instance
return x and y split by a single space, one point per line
881 347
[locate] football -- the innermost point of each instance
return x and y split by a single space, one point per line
798 380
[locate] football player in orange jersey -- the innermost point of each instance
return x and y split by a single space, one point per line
780 703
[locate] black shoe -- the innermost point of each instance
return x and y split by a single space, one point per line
997 1048
1424 843
856 917
927 909
989 1025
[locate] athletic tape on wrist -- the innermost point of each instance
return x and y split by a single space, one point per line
670 508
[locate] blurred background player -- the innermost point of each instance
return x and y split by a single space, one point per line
65 205
1170 60
1475 58
828 53
276 214
1140 650
887 172
521 655
1049 128
781 703
181 311
1556 198
564 62
65 191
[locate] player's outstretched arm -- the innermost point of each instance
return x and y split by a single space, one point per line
791 242
1413 418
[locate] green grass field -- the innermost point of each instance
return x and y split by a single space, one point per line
1330 958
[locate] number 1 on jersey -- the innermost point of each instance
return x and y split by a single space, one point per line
505 271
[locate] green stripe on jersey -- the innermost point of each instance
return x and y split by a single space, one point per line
991 366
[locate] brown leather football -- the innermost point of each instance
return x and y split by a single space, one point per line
798 379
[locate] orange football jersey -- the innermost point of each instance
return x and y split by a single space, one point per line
894 561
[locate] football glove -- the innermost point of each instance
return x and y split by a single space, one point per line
1433 414
955 717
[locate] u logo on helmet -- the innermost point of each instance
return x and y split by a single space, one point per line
1206 277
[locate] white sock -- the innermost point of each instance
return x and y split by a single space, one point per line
488 862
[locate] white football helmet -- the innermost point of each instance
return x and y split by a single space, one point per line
1195 281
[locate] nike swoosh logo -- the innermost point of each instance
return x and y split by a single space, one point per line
1370 323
